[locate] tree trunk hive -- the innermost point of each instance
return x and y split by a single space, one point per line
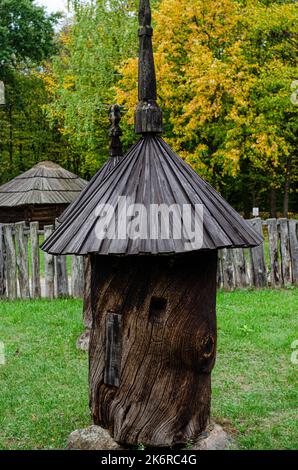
153 337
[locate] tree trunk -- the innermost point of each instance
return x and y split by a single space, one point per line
10 138
286 193
153 344
273 203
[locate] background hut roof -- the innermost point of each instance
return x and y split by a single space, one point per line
150 173
45 183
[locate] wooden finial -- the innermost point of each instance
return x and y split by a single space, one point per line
115 132
148 115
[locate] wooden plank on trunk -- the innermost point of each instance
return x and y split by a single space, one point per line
275 269
49 266
77 276
293 234
22 260
11 262
113 349
228 270
286 268
257 258
2 264
35 260
241 274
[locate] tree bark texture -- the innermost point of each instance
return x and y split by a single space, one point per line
153 334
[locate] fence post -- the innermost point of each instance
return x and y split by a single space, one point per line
275 271
2 264
87 310
77 276
49 266
293 233
285 252
228 270
35 260
11 262
219 270
22 260
61 276
241 274
257 258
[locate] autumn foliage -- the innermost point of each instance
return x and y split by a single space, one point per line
224 72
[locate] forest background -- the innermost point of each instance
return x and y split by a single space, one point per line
227 82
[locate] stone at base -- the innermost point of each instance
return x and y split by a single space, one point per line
97 438
92 438
214 438
83 340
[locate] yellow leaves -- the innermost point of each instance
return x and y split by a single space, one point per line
68 82
127 90
214 84
230 160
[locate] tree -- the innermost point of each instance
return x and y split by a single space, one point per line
82 75
27 37
224 73
26 32
25 135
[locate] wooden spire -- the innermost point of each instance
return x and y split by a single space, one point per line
115 149
148 115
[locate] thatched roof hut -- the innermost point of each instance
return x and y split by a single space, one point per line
40 194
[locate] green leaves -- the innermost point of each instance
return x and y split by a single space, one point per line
26 32
85 71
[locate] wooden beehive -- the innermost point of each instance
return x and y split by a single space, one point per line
153 338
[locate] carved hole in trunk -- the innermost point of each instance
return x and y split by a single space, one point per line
208 346
157 309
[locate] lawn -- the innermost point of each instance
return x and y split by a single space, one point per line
44 393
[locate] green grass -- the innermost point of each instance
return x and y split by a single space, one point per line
254 382
44 391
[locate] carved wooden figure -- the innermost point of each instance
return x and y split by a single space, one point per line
153 337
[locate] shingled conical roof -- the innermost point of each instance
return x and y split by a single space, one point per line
149 174
44 183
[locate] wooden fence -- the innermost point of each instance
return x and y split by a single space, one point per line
272 264
27 272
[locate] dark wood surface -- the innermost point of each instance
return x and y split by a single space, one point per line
115 148
113 349
45 214
148 115
167 350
